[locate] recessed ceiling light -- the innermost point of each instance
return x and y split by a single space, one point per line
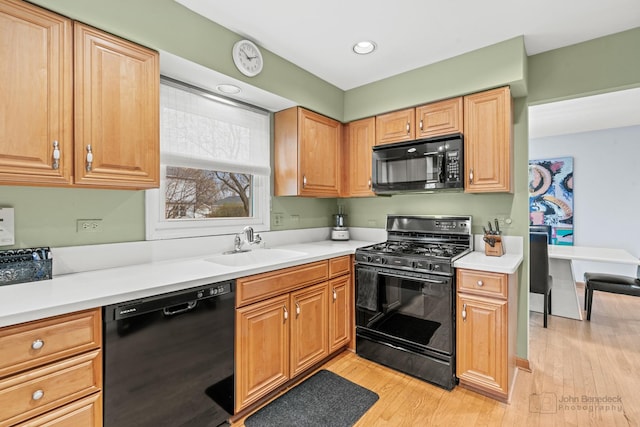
364 47
228 89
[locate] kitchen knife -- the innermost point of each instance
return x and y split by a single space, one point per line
485 230
497 226
490 227
490 240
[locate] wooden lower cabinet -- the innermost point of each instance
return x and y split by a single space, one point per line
51 371
486 332
81 413
340 312
281 337
262 349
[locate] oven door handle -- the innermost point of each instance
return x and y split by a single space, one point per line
417 279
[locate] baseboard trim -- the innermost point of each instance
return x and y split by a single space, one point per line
523 364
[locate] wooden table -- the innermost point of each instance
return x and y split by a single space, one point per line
565 300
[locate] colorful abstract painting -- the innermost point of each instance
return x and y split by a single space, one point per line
551 197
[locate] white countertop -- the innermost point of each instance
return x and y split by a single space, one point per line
584 253
507 263
80 290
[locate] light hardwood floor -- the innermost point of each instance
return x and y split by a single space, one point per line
571 361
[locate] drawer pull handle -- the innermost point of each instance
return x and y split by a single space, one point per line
480 283
297 309
286 313
37 344
37 395
335 295
464 312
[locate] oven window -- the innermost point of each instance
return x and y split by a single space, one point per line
412 310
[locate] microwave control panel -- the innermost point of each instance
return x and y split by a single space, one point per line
453 166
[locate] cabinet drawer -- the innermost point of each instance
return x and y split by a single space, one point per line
339 266
84 412
35 392
36 343
483 283
261 286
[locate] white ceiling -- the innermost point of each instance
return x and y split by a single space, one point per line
605 111
318 37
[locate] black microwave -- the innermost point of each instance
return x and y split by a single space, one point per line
422 165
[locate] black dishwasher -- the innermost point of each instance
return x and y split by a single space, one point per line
168 359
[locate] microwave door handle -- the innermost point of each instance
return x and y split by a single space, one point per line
443 167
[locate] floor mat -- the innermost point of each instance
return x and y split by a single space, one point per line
324 399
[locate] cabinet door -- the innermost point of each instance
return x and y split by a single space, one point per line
262 349
439 118
309 327
340 310
319 154
396 126
36 93
360 140
116 111
482 343
488 141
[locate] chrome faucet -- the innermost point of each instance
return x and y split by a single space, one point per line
247 236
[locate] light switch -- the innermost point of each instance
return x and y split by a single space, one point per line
7 227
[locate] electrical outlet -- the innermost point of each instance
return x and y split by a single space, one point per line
278 219
504 221
295 219
89 225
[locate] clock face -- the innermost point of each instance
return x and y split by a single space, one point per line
247 58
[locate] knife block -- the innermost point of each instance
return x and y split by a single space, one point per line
497 249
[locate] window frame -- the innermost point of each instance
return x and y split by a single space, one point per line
157 227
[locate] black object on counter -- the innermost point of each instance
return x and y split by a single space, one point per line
25 265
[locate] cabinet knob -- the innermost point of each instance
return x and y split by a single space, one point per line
56 155
89 158
335 295
304 181
408 128
369 184
470 175
464 312
421 128
286 313
480 283
37 395
37 344
297 310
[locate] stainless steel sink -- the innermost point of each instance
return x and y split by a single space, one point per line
256 256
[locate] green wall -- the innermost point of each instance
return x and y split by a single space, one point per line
597 66
48 215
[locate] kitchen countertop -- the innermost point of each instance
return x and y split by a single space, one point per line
79 291
477 260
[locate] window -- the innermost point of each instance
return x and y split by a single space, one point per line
214 165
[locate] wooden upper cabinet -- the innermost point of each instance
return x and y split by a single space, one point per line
36 93
439 118
396 126
307 154
488 141
116 111
360 139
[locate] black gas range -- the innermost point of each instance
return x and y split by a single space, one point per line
405 295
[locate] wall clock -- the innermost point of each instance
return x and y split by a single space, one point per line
247 57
